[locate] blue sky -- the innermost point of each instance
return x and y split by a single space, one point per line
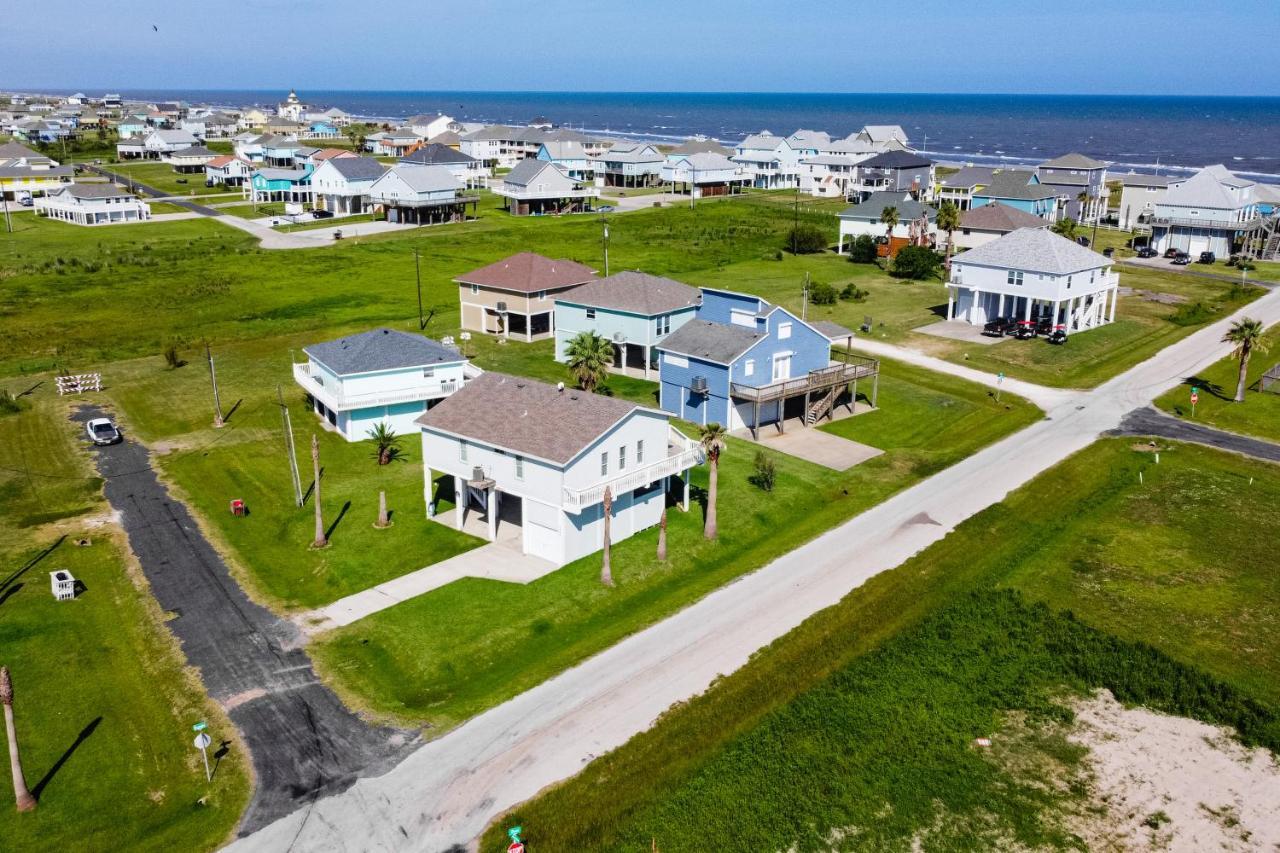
1171 47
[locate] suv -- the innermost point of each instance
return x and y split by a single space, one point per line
1171 252
1208 258
1182 259
1147 252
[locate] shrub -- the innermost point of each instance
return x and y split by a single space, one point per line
765 472
853 293
916 262
821 293
863 250
1191 314
8 405
806 240
172 358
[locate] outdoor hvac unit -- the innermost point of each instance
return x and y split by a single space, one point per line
619 338
698 385
502 307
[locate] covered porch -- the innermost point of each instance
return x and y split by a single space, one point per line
431 211
810 398
1075 314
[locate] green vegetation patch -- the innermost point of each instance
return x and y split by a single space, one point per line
1258 415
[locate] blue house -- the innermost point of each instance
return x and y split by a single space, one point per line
281 184
1019 189
322 130
745 363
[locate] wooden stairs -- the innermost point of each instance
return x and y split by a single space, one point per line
820 407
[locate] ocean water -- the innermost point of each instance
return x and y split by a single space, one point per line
1135 132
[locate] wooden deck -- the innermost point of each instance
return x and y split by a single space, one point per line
823 379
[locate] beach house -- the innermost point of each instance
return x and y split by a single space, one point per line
888 137
270 184
1206 212
1030 275
536 187
159 143
696 145
467 169
894 171
634 311
767 161
517 295
704 174
427 126
228 170
24 171
981 225
1081 184
629 165
422 195
960 186
188 161
1139 195
342 185
534 461
570 156
92 204
380 376
1019 188
916 222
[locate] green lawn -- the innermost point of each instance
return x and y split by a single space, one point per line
104 702
1258 415
861 718
163 177
451 653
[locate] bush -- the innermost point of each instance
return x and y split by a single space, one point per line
863 250
853 293
1192 314
806 240
8 405
765 472
916 263
172 358
822 294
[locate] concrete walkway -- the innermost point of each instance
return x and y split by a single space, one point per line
444 794
311 238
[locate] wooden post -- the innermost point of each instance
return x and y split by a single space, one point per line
321 540
213 378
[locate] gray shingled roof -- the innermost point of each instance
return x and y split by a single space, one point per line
896 160
1203 189
698 146
427 179
1000 217
358 168
969 176
1135 180
908 208
636 293
380 349
1034 250
527 417
195 151
87 191
718 342
1014 183
527 170
830 330
436 154
1073 161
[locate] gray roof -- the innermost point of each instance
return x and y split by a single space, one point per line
527 417
697 146
641 152
969 176
273 174
636 293
490 132
884 132
426 179
87 191
1203 189
17 151
830 330
897 160
171 136
380 349
1073 161
357 168
708 161
436 154
527 170
1133 179
33 172
718 342
997 216
1015 183
1034 250
908 208
765 141
195 151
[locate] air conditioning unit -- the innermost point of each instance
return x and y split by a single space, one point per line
698 385
619 338
502 307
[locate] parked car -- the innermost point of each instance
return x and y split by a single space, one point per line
1108 252
1058 335
1182 259
1044 325
1171 253
102 431
1208 258
322 214
25 201
1147 252
999 327
1083 241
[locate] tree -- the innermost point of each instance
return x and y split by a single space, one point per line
606 569
863 250
589 356
386 441
949 221
806 240
662 537
821 293
889 216
321 540
712 441
383 519
1246 335
916 263
25 801
1066 227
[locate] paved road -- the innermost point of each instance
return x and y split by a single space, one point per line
1193 270
304 743
125 180
443 794
1151 421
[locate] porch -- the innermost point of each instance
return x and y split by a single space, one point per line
821 390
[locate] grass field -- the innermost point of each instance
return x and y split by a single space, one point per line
861 718
1258 415
447 655
162 177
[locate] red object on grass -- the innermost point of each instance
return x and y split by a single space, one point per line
237 507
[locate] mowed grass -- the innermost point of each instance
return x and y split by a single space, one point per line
1258 414
104 705
861 719
447 655
164 178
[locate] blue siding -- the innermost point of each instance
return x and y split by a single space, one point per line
717 304
677 399
809 351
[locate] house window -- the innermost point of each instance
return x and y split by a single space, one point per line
428 372
1014 277
519 467
462 451
640 452
591 313
1069 281
622 458
664 325
475 288
542 295
784 331
749 367
604 463
742 318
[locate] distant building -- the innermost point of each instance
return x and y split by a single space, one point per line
1021 189
1207 212
342 185
895 171
886 136
517 295
292 108
916 222
422 195
1139 195
960 187
990 222
704 174
93 204
1081 184
768 161
538 187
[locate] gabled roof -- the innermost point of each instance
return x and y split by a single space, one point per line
380 349
1000 217
169 137
528 170
357 168
564 149
764 141
871 209
332 153
18 151
717 342
529 272
194 151
708 161
527 417
424 179
435 154
1203 189
969 176
449 137
897 160
90 191
640 152
809 138
490 132
1133 179
635 293
884 132
830 330
1034 250
225 160
1017 184
698 146
1073 161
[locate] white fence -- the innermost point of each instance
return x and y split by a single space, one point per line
79 382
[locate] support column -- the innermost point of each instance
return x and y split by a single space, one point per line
685 477
875 389
493 513
1115 297
426 489
951 304
1026 310
460 501
804 421
646 360
999 310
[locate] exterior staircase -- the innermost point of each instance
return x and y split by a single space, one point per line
820 407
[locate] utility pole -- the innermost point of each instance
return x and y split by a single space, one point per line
213 378
289 447
606 248
804 299
417 271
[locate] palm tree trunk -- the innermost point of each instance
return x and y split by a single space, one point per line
22 796
606 572
662 538
1245 351
382 510
710 530
951 242
321 540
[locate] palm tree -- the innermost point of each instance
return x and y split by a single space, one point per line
889 216
383 520
1246 334
662 537
949 221
25 801
712 440
606 573
386 441
1066 227
321 540
589 356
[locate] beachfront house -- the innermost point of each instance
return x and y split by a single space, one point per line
92 204
960 186
1033 275
830 175
467 169
887 137
534 460
704 174
536 187
427 126
394 143
270 184
768 162
629 165
1139 195
569 156
1019 188
894 171
421 195
517 295
1206 212
1081 184
280 152
809 143
228 170
696 145
487 146
982 225
745 363
380 376
916 223
342 185
634 311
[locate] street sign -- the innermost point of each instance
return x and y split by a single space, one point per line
515 847
514 832
1195 398
200 726
202 741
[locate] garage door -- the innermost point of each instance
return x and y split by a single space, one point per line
1198 243
540 541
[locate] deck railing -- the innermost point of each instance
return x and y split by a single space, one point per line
682 454
338 401
855 367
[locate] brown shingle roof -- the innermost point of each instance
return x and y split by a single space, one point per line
528 272
527 417
998 216
635 293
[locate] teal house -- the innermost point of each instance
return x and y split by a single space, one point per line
281 184
1020 189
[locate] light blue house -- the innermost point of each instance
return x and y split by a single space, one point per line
379 376
632 310
745 363
1019 189
323 130
281 184
569 155
132 126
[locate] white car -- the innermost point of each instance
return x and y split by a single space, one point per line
102 431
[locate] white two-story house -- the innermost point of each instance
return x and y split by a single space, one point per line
93 204
379 376
535 459
341 185
1030 275
769 161
1206 212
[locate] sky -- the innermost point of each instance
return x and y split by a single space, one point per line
1027 46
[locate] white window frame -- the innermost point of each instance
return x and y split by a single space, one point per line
784 331
640 452
462 451
604 463
749 367
519 467
622 458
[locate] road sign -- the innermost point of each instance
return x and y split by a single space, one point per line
514 833
202 742
1195 398
515 847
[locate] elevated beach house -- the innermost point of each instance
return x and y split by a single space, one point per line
535 461
768 162
981 225
629 165
536 187
423 195
1207 212
467 169
704 174
1033 274
895 171
1081 184
341 185
517 295
889 137
189 161
632 310
1139 195
92 204
23 170
960 186
917 222
379 376
745 363
228 170
1019 188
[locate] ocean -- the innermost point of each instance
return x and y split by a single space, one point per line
1142 133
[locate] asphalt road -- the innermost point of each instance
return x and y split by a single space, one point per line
304 742
1153 422
125 180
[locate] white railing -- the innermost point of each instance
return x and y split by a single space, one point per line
675 463
520 195
339 401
